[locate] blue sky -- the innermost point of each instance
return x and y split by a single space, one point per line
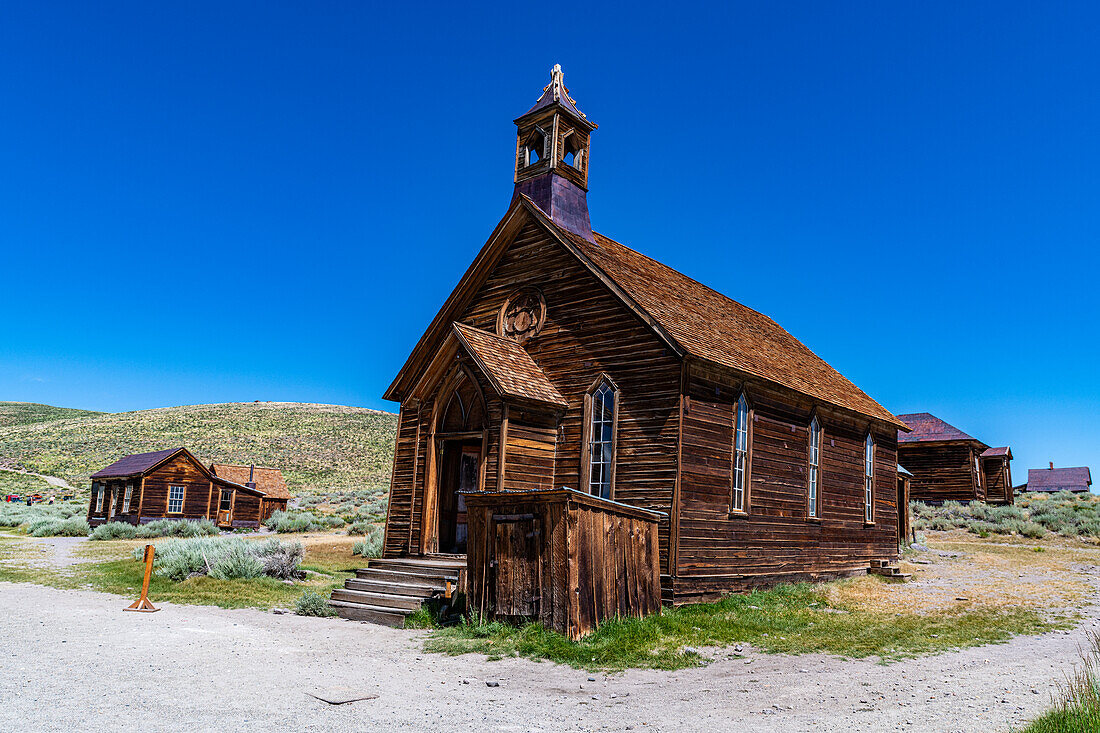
215 202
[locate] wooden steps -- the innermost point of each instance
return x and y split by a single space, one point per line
886 570
388 590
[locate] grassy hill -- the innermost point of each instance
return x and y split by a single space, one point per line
322 449
25 413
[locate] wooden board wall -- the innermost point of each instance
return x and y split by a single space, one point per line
571 562
775 539
941 471
587 332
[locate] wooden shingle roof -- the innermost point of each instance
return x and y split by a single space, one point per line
1074 478
688 316
136 464
508 366
927 428
270 481
716 328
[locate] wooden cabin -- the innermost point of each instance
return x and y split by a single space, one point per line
270 481
564 359
949 465
1077 479
170 484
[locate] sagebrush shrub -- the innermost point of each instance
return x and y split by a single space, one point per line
313 604
114 531
371 545
225 557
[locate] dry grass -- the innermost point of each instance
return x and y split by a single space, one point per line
995 573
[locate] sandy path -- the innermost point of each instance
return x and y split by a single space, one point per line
65 655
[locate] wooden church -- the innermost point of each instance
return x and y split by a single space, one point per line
564 361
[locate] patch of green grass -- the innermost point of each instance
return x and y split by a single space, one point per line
111 569
792 619
1077 709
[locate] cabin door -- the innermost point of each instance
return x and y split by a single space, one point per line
225 508
461 469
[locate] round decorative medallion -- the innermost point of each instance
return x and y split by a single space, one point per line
522 315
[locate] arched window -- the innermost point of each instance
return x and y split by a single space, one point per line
535 147
740 455
601 405
869 479
815 467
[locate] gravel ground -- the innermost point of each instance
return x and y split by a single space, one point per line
70 657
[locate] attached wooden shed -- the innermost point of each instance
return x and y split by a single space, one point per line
562 557
270 481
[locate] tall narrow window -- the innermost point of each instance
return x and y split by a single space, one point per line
978 471
175 500
740 454
869 479
601 439
126 498
98 499
225 502
815 463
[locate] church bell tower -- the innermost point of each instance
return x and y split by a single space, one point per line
552 157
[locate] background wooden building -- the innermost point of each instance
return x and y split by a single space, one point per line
949 465
170 484
566 359
1076 479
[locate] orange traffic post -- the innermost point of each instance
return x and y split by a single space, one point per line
143 604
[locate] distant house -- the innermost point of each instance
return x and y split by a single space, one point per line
949 465
1052 479
268 480
170 484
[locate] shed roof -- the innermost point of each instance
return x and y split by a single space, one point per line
997 452
136 464
270 481
508 366
928 428
1077 478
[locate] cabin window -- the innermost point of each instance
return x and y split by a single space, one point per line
815 464
869 479
175 500
978 471
740 454
126 498
226 501
98 491
601 438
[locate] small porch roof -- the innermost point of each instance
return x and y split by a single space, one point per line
508 366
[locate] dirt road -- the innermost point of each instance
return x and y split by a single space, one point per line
70 657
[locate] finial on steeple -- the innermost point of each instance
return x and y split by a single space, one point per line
552 156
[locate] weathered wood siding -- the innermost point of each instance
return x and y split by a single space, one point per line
246 508
587 332
941 471
179 471
775 539
530 452
568 561
995 478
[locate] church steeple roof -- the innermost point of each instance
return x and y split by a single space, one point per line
556 93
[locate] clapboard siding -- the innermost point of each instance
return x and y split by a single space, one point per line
587 333
941 471
775 539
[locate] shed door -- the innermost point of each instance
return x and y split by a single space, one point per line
516 564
